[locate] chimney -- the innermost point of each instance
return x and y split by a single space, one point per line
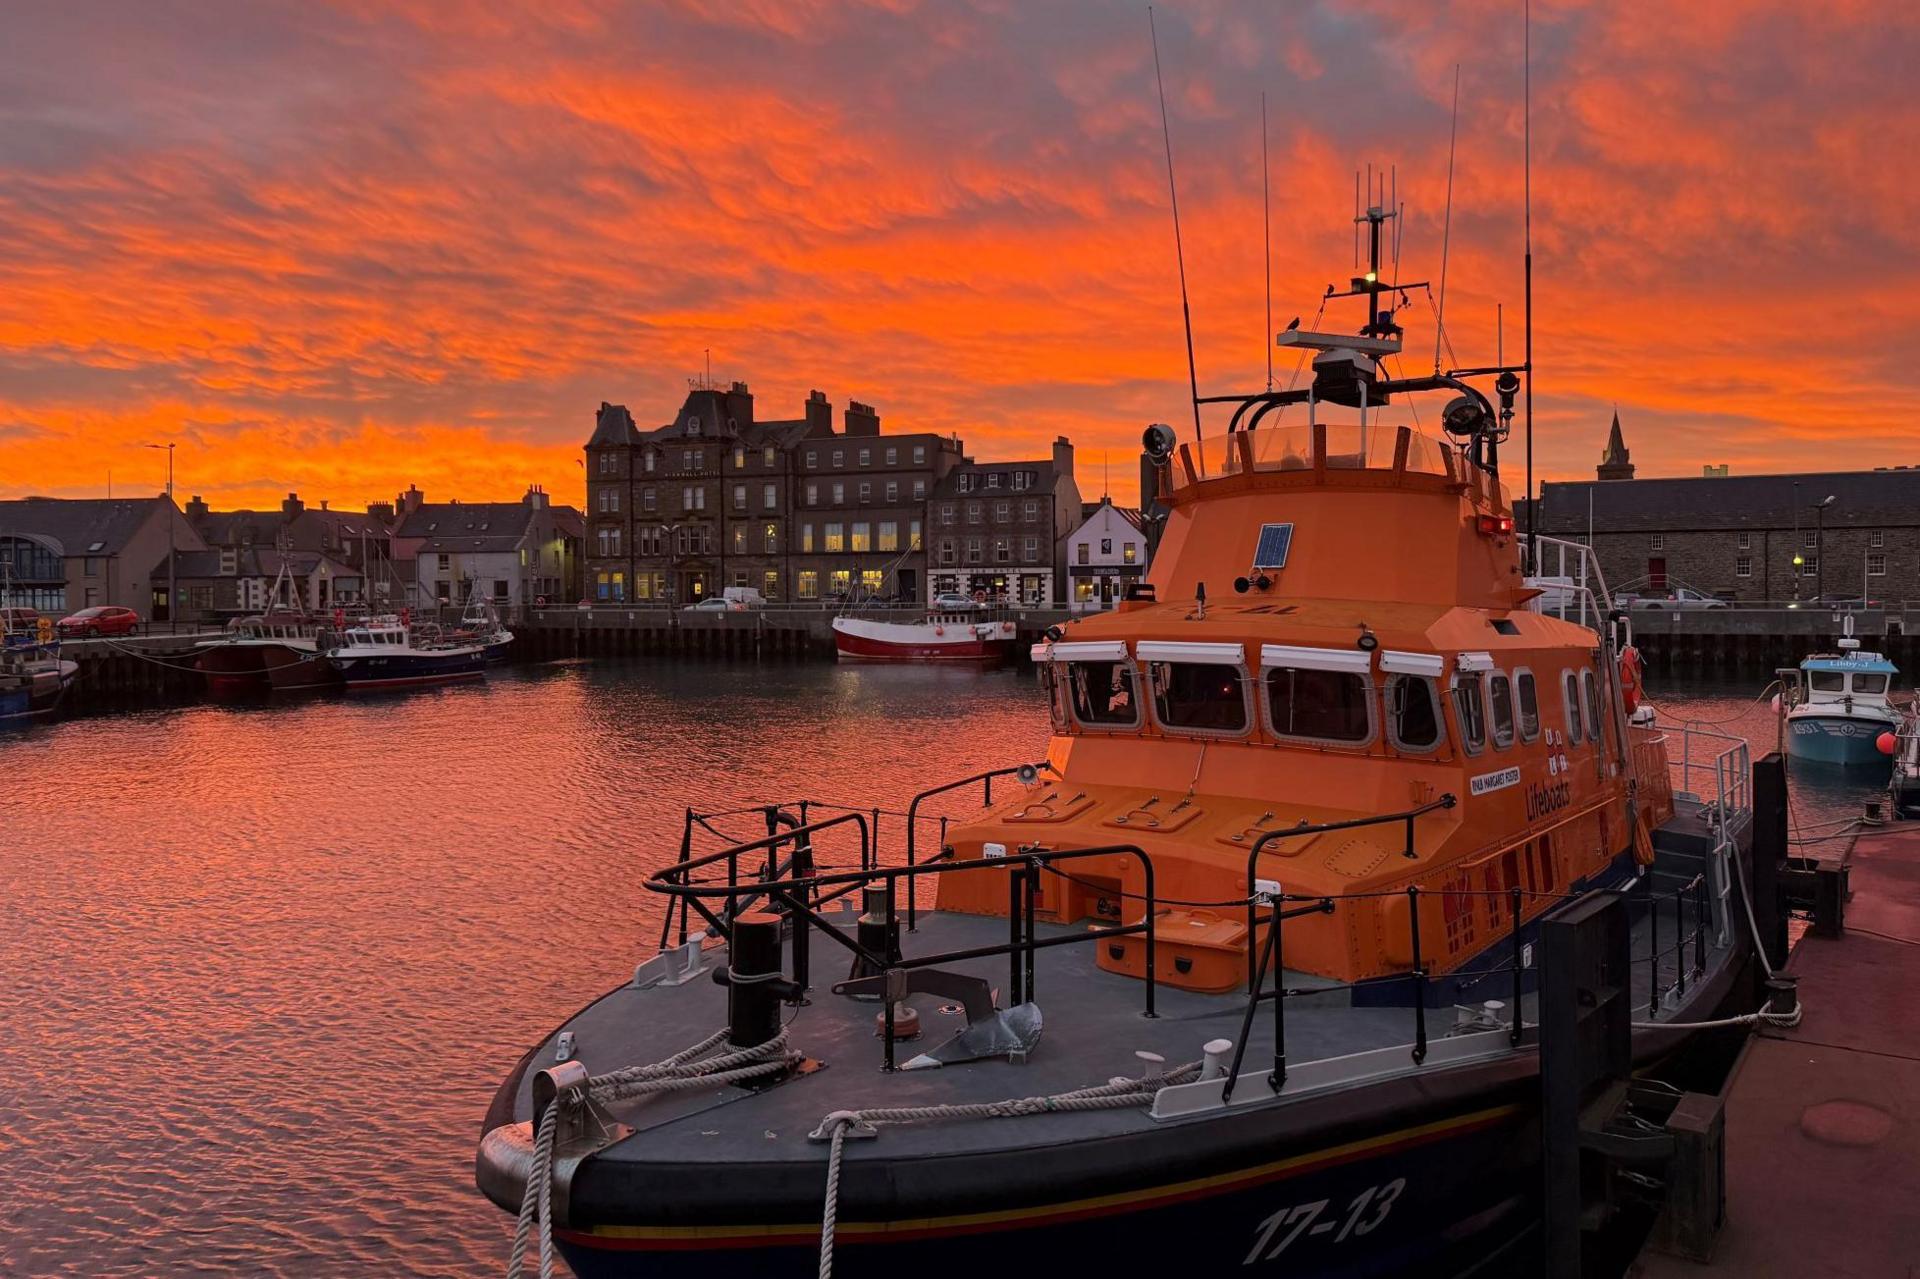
323 503
1063 456
293 506
382 511
536 497
411 500
740 405
819 415
196 509
860 419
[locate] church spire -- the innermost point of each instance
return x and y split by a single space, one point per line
1616 463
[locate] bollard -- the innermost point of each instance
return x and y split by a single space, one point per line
753 982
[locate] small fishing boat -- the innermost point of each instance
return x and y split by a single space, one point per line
1903 788
480 624
33 676
397 653
938 637
1843 711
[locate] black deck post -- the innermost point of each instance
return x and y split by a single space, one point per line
1769 850
1653 949
1419 978
1519 968
1278 1078
1014 916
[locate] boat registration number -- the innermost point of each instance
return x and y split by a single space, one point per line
1363 1214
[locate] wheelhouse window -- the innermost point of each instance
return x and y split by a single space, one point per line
1413 713
1198 696
1570 693
1826 681
1500 703
1102 694
1529 700
1330 706
1470 705
1874 684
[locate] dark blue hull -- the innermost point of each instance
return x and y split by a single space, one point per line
1437 1198
411 670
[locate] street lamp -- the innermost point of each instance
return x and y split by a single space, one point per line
672 556
1819 543
173 595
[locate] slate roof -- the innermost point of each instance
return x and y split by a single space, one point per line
468 527
1044 479
1863 499
80 526
613 425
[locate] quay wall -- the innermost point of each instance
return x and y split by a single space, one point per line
135 670
759 633
1757 641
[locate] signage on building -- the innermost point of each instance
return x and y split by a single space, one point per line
1104 570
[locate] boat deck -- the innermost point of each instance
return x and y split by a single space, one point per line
1823 1120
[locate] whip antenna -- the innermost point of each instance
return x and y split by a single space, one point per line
1526 187
1179 253
1446 229
1266 236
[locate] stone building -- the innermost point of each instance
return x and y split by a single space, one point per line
791 508
998 530
1746 538
514 554
60 555
350 554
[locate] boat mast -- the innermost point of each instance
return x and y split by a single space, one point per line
1179 253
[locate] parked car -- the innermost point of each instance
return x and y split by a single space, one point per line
953 601
711 604
102 619
1680 599
1842 602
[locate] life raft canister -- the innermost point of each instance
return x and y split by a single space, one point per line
1630 678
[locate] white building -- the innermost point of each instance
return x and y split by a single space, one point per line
513 554
1106 553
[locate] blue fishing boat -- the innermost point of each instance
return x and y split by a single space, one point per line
1843 710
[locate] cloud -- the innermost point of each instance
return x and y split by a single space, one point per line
341 248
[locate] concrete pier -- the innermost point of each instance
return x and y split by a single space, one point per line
763 632
1823 1121
134 669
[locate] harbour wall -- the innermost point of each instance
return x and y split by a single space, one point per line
548 634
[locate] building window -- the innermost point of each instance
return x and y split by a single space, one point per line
619 587
893 457
919 455
740 541
767 457
739 497
866 457
739 457
919 490
836 538
993 479
813 494
866 492
973 512
1746 541
1030 550
973 550
893 491
1106 546
1002 550
1876 566
1002 512
871 580
889 536
946 550
770 538
966 482
1030 510
647 459
839 458
1876 538
1128 553
806 539
1657 542
841 581
913 535
602 586
1810 540
862 537
839 494
813 459
648 500
1809 565
946 515
769 497
1743 566
809 584
1083 553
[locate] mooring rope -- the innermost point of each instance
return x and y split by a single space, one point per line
677 1073
1116 1094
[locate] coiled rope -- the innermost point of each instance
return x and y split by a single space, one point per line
1115 1094
686 1069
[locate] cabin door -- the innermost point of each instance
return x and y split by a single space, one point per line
1657 574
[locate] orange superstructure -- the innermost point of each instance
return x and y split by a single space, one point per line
1377 657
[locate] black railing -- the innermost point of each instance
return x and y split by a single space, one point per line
1682 940
797 891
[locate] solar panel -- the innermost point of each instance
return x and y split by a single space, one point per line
1274 541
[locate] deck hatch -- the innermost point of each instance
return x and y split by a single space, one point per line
1275 541
1190 651
1355 661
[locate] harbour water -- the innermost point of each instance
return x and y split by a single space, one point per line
264 965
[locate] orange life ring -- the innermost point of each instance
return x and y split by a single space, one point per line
939 630
1630 678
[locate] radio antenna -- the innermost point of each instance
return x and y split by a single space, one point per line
1179 252
1266 237
1526 188
1446 229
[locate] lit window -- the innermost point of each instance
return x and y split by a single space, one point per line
808 587
836 539
862 537
889 536
1127 553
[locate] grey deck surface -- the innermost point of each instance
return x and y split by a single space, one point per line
1094 1024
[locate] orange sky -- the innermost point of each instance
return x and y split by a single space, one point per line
341 248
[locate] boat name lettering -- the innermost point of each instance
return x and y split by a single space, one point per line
1494 781
993 850
1547 797
1362 1215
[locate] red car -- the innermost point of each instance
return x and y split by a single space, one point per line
105 619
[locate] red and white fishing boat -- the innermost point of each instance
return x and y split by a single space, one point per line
939 637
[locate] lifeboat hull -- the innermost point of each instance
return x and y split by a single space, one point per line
861 640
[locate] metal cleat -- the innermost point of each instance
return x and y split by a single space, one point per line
673 966
582 1128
